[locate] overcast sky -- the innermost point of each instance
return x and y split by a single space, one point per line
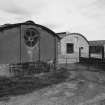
82 16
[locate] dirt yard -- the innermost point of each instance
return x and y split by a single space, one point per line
82 87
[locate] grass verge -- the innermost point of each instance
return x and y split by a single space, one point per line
29 83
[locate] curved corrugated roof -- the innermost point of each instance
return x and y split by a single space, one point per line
9 26
63 34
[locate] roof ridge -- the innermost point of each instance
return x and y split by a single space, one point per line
29 22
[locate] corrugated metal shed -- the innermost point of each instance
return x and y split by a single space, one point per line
27 42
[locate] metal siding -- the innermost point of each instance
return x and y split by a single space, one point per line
47 47
25 57
9 46
14 50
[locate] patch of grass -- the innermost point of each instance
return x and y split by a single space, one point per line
26 84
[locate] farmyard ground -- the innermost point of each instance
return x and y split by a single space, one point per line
82 87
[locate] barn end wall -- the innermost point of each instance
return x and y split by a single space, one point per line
14 50
9 46
45 49
79 43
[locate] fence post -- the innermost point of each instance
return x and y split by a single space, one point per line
66 63
102 52
89 52
20 46
39 48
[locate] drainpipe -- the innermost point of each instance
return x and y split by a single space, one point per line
102 52
20 46
55 52
89 52
39 48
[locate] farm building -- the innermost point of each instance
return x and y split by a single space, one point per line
30 42
71 47
97 49
27 42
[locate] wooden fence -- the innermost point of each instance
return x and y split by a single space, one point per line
29 68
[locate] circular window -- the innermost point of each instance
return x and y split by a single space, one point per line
31 37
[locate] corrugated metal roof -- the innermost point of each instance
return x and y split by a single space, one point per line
62 34
9 26
97 43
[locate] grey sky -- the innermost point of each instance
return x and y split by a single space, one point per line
83 16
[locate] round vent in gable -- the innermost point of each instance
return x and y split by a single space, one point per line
31 37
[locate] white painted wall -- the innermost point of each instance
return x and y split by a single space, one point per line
78 42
